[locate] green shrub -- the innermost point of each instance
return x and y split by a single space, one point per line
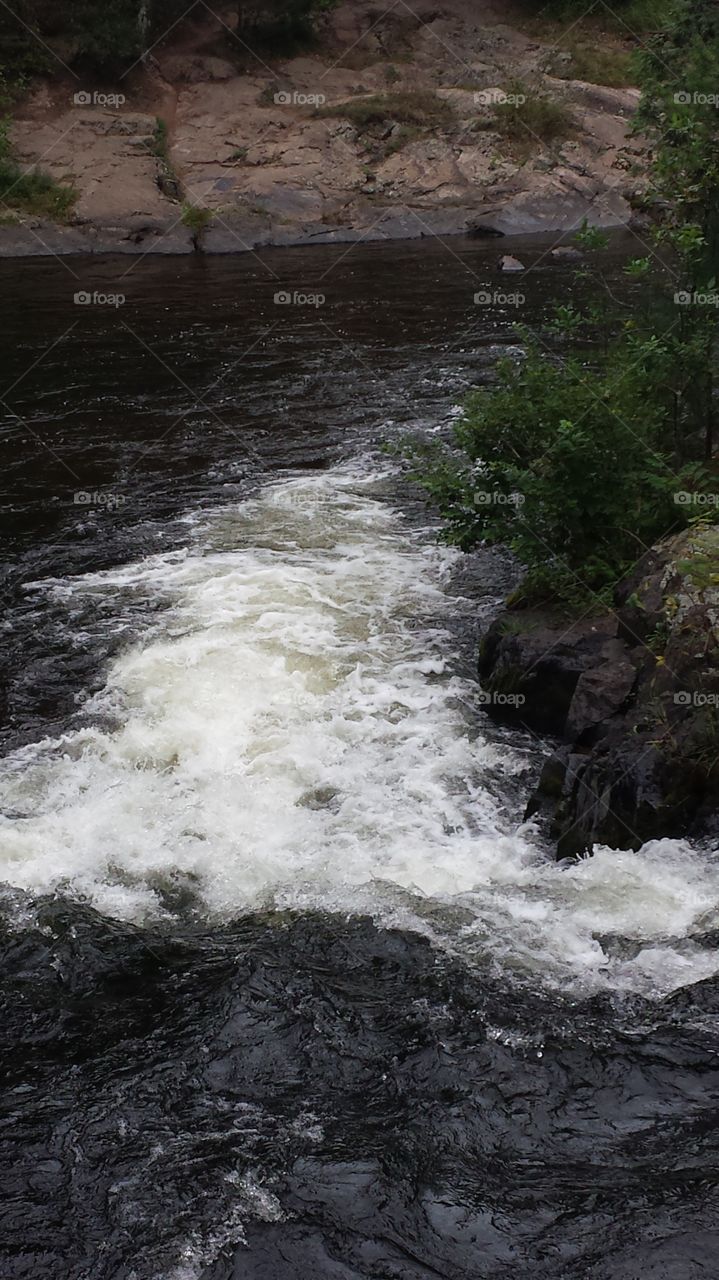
570 466
196 218
35 192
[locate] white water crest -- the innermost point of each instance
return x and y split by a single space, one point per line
291 734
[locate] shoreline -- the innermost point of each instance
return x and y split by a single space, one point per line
40 239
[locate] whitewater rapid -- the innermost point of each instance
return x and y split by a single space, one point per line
292 733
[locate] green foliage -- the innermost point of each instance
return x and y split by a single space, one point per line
108 36
22 56
279 26
638 16
680 79
104 37
31 192
577 464
591 237
167 178
160 141
680 107
563 463
638 268
196 218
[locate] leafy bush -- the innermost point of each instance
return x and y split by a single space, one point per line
195 217
680 75
680 79
563 463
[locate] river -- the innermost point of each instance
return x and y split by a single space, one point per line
290 989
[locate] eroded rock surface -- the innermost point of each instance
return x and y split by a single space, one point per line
260 147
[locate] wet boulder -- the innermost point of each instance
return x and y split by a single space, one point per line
633 696
550 670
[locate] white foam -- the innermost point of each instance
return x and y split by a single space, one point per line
292 733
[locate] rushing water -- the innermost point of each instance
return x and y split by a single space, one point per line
290 988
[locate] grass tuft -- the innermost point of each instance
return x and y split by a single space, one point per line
608 66
526 118
34 192
421 109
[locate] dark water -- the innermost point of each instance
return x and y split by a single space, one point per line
295 1094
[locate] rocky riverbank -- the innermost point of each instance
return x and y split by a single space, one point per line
205 147
630 697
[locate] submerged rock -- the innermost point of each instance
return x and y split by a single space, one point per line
566 253
633 697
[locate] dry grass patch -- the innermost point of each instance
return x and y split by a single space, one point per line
526 119
611 66
421 109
